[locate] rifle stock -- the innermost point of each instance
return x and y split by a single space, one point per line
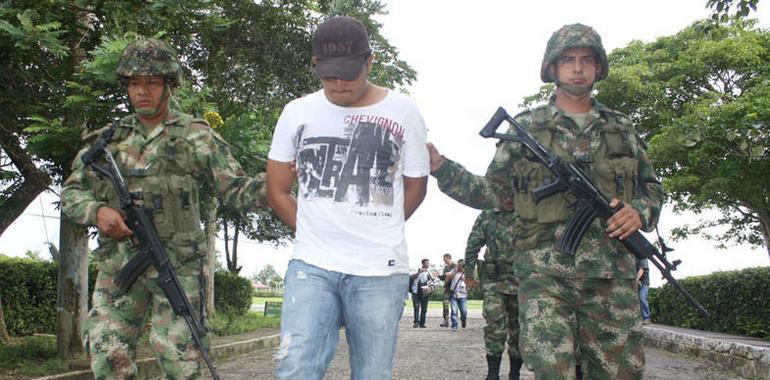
590 202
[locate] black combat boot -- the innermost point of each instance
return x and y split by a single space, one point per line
493 367
578 372
515 368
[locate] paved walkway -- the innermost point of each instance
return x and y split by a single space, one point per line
435 352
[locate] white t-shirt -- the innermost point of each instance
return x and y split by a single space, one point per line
350 162
458 284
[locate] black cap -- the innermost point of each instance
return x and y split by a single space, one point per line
340 47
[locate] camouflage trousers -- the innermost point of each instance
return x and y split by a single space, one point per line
445 304
501 314
114 325
593 319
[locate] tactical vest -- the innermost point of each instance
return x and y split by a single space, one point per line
611 165
160 175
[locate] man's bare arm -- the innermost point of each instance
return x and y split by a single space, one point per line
280 178
414 194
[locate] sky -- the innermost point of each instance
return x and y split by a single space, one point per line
470 58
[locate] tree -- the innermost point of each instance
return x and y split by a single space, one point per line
702 100
722 8
269 276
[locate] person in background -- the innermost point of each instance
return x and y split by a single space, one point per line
449 265
500 287
459 294
643 278
422 283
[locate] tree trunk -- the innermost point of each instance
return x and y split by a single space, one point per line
72 295
227 244
35 180
72 292
210 226
4 337
235 268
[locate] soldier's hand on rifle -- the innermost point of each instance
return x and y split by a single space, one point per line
436 159
111 223
625 222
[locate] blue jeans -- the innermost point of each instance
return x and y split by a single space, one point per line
644 305
317 302
458 303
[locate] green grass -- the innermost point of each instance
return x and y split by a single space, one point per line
262 300
30 356
223 324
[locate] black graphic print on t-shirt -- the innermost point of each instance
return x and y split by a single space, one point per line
358 167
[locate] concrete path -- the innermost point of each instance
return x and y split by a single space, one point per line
436 352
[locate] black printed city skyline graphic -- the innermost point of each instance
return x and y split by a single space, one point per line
361 165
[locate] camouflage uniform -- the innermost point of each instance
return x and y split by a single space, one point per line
585 302
501 306
163 167
447 295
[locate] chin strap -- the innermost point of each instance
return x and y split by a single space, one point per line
152 112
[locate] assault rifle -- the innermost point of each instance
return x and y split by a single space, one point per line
590 202
138 219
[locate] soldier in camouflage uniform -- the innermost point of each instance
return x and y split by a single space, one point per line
163 156
581 306
449 266
501 306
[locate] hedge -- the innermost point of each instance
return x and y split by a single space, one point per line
28 291
29 294
268 294
232 294
739 303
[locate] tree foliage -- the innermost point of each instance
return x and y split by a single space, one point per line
243 60
269 276
722 8
702 100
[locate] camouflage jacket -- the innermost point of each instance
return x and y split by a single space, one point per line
608 151
493 230
163 169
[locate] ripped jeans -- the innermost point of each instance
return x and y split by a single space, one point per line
317 302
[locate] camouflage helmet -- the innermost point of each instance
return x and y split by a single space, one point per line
570 37
147 57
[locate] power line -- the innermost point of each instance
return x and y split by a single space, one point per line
41 215
45 226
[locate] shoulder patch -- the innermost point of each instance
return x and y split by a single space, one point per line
619 116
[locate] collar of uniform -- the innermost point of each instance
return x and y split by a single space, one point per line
173 117
596 112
